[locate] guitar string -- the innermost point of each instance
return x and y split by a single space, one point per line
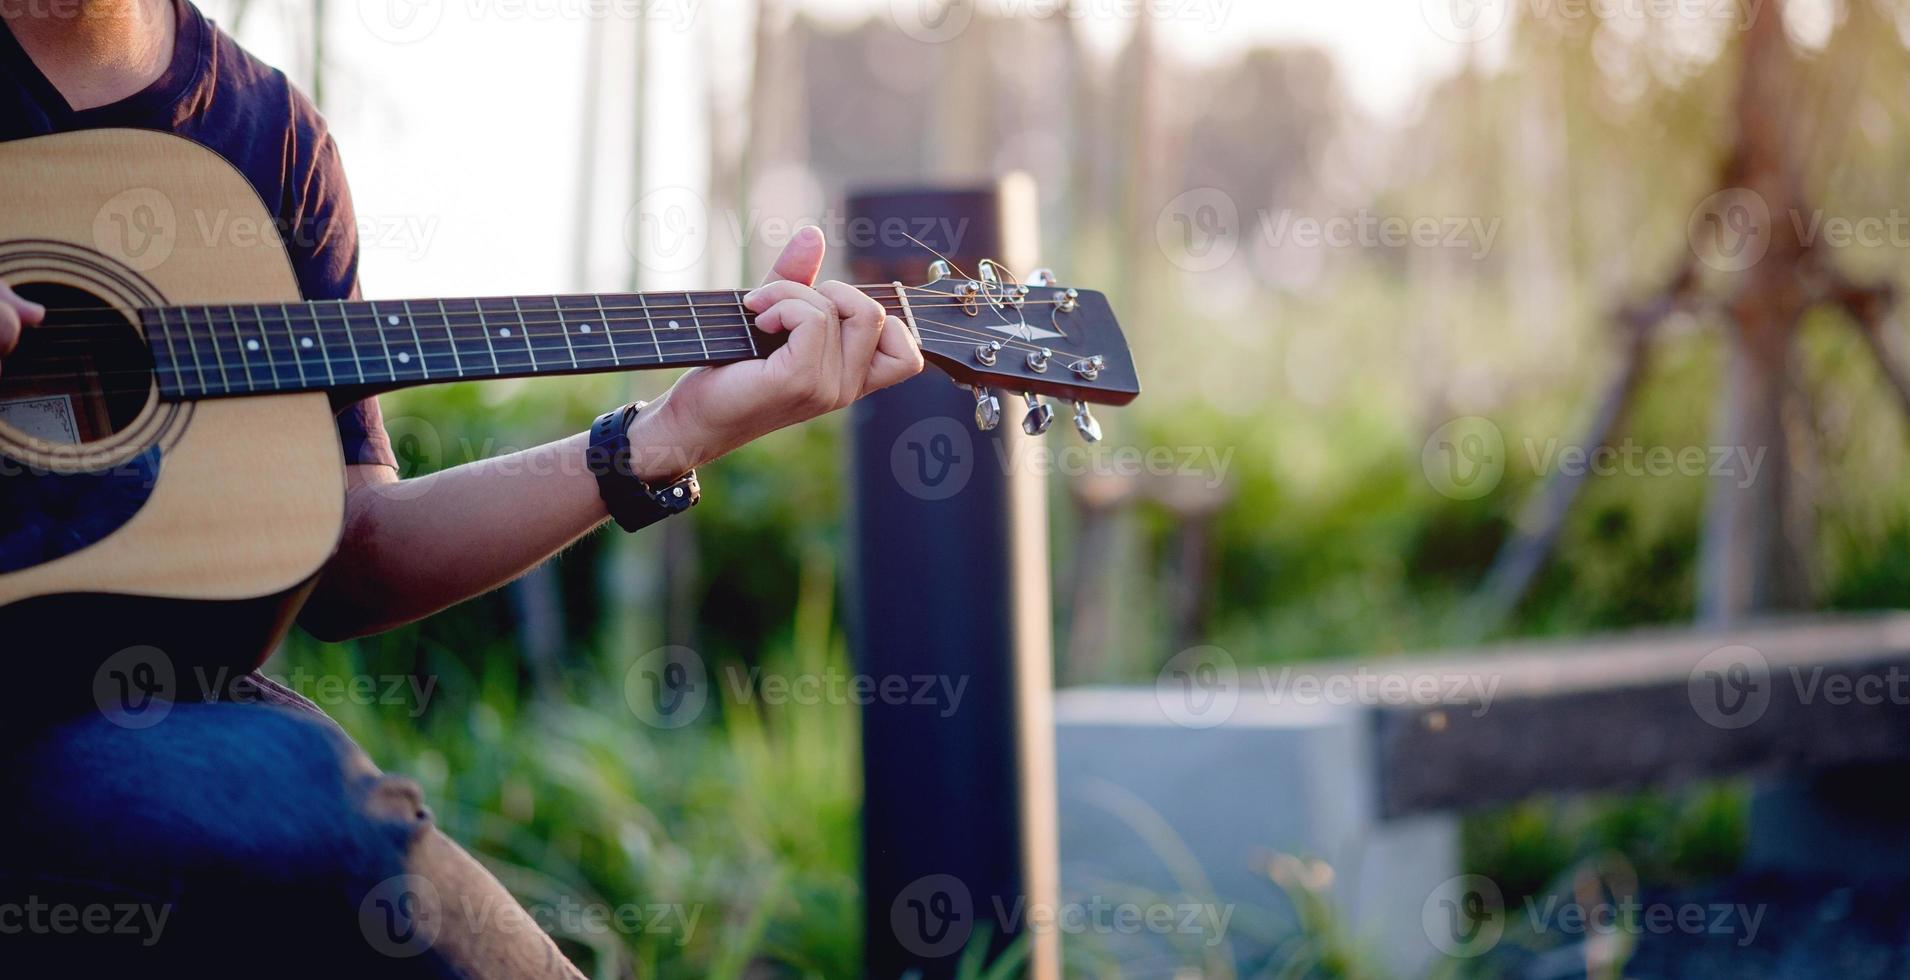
658 335
248 385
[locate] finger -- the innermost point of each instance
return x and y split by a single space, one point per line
801 259
897 358
9 329
792 314
862 319
769 294
30 313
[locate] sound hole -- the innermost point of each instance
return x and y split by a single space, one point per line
82 375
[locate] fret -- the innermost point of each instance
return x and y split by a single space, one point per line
610 335
695 324
405 358
328 338
311 342
438 351
281 353
506 334
444 319
185 321
546 334
246 346
748 324
367 342
650 325
586 328
472 336
172 356
725 331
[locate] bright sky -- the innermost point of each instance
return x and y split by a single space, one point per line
462 121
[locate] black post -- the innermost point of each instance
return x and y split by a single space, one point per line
950 585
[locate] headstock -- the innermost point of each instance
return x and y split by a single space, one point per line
1037 338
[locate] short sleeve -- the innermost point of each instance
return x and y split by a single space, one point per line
323 244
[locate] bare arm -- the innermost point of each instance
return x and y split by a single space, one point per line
413 547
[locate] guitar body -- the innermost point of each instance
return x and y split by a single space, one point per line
193 526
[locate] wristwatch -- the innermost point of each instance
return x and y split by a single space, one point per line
633 504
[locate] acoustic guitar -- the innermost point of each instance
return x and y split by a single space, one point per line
170 472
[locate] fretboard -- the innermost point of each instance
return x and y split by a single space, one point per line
211 351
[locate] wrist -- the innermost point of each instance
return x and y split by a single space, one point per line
662 446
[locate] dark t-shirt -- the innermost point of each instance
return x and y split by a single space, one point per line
217 95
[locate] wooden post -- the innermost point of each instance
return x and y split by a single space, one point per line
950 581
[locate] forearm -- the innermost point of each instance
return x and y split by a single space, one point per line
413 547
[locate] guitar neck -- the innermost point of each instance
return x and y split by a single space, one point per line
214 351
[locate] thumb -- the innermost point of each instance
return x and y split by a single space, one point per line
801 259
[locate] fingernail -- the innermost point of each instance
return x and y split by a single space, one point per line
749 298
809 235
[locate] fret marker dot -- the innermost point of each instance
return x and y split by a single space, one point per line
305 342
504 331
251 345
673 324
393 320
585 328
404 357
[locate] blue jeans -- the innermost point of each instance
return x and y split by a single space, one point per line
238 839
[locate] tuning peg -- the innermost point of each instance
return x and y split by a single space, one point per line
939 270
1041 277
1085 423
987 409
1039 416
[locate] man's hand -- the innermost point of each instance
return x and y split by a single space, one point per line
15 313
842 345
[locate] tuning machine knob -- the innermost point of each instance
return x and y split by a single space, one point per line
1041 277
1085 422
987 409
1038 360
1040 416
987 353
939 270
